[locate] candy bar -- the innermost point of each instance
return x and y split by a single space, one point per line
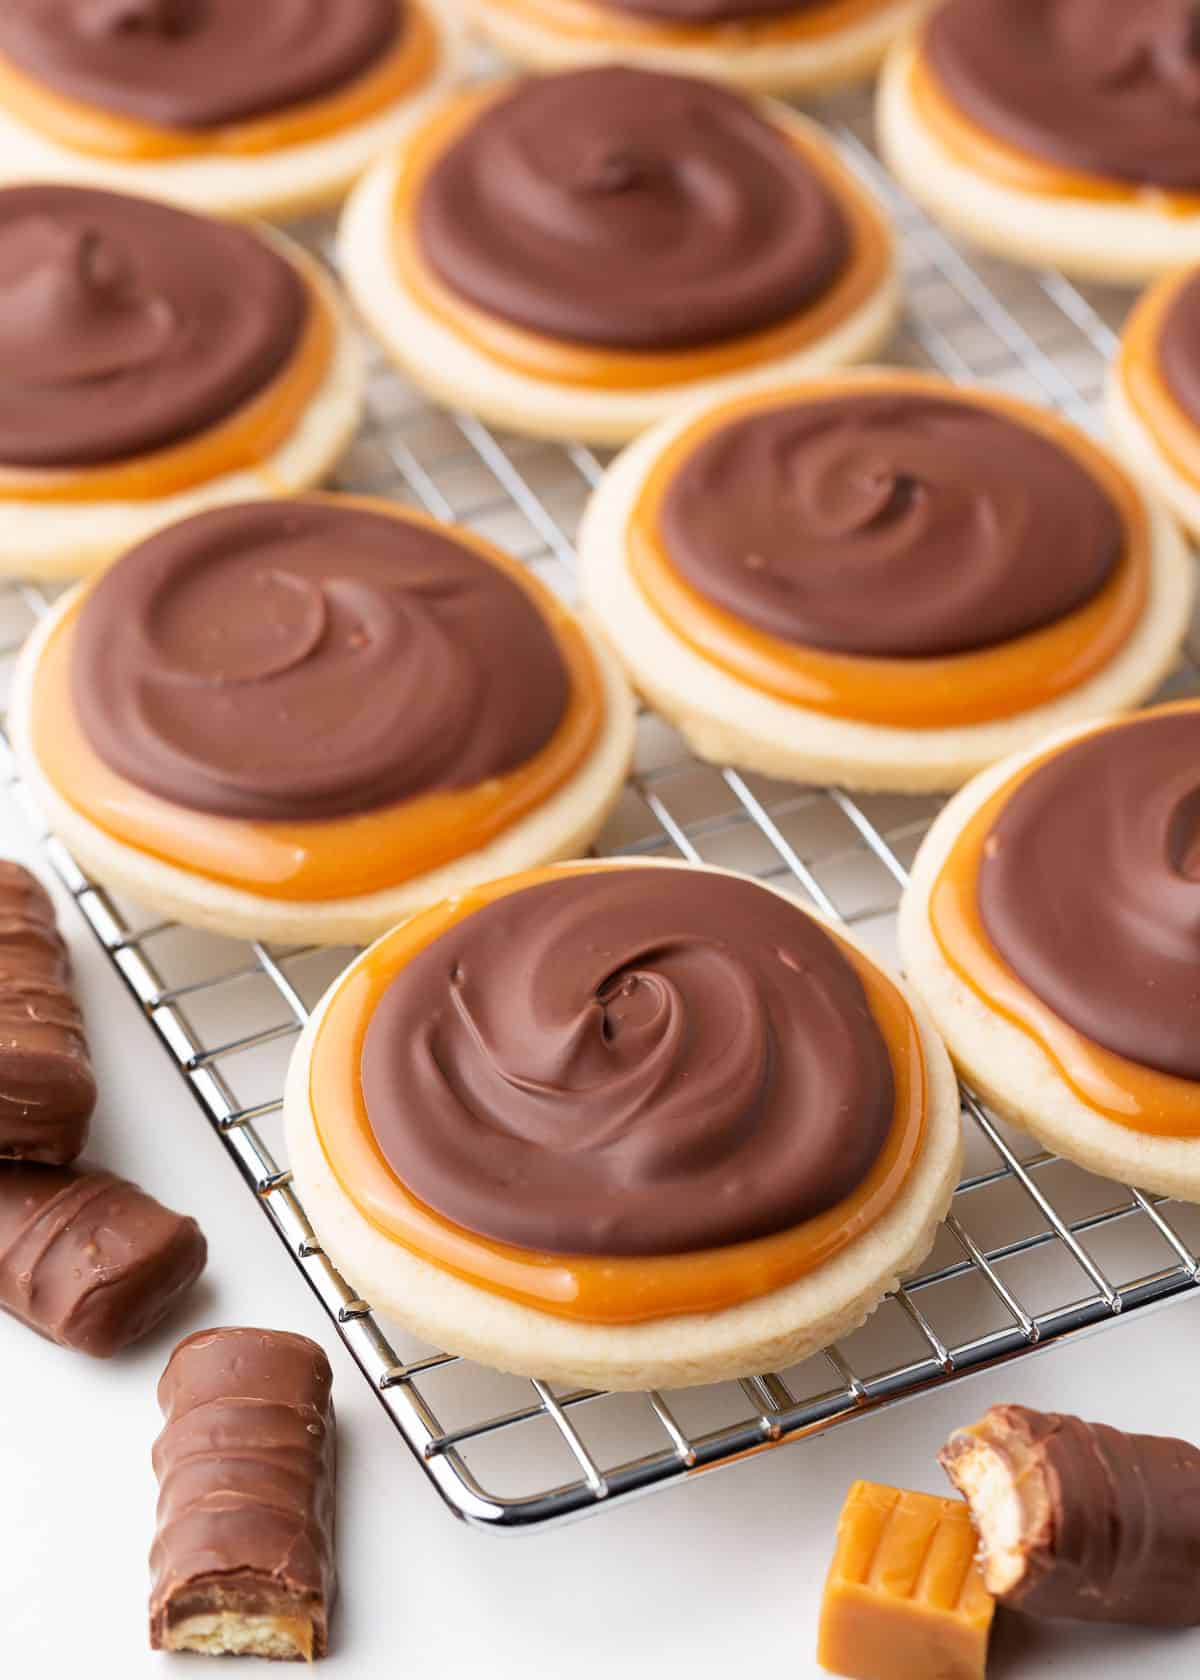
1079 1520
47 1091
903 1599
243 1558
87 1259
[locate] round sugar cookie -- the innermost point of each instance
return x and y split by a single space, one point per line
232 110
606 1224
778 49
786 578
573 255
1016 126
154 363
1152 397
1069 1005
297 721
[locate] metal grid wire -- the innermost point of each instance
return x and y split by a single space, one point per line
1034 1249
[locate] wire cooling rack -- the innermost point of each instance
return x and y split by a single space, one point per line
1034 1250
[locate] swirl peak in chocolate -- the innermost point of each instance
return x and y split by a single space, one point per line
1108 87
1090 887
126 325
310 659
1179 347
631 210
196 64
889 523
629 1061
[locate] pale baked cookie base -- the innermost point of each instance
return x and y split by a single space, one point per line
47 540
280 184
819 64
1133 440
1000 1061
769 1333
459 376
1122 242
562 827
727 721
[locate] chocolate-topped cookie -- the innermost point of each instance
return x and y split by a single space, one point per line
570 255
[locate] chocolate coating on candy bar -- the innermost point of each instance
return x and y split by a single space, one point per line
196 64
1079 1520
47 1091
87 1259
630 209
243 1556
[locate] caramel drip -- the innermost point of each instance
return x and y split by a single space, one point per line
563 362
593 1289
316 860
920 693
975 148
594 20
1137 1097
244 440
97 133
1140 370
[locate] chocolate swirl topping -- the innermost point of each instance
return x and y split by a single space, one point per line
629 1061
1179 347
299 660
1090 888
878 523
632 210
126 326
196 64
1101 86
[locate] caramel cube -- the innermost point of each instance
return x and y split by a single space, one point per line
904 1599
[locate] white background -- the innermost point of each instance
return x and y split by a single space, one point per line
721 1576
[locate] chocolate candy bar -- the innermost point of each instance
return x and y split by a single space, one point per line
87 1259
47 1091
243 1558
1079 1520
903 1599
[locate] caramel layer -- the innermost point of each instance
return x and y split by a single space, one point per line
343 856
598 1291
246 438
561 362
591 20
1139 1098
1141 376
1010 166
921 693
98 133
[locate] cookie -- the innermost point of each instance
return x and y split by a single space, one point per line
154 363
1058 133
571 255
1153 394
299 720
1050 927
233 109
622 1124
771 47
880 580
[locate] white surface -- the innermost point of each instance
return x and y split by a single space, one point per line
719 1576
